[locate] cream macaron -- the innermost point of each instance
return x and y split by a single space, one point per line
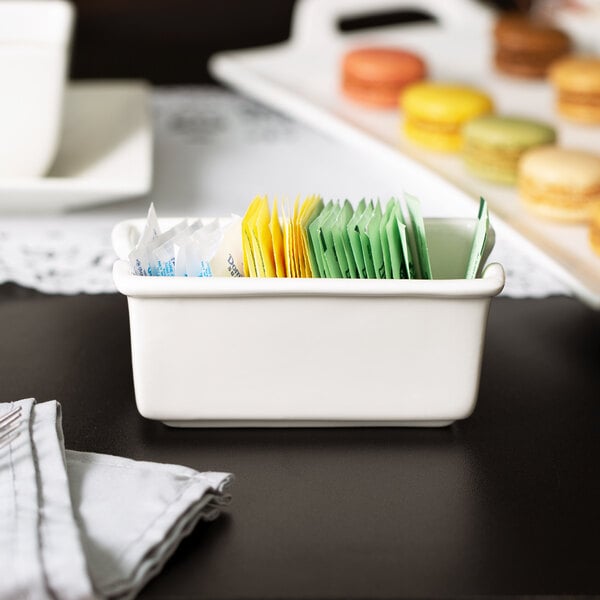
559 183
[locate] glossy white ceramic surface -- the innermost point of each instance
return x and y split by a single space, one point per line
310 352
34 46
104 155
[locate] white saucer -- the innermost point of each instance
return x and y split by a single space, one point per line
105 152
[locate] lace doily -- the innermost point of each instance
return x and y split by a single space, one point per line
213 151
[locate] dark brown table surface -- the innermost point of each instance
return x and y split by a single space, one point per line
506 502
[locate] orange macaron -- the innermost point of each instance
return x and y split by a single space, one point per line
376 76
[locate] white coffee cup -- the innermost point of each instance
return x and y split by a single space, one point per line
34 46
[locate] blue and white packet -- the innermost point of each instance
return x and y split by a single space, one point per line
202 248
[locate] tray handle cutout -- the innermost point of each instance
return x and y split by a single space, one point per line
315 21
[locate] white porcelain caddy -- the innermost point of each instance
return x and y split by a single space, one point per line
249 352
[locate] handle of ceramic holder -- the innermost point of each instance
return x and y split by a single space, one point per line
124 238
315 21
495 272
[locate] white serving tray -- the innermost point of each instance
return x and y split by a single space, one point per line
105 153
301 78
250 352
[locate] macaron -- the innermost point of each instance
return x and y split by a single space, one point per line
560 184
594 235
577 81
494 144
376 76
435 113
527 48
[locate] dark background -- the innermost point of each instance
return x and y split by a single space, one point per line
169 41
503 503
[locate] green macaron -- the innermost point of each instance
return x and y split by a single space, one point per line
494 144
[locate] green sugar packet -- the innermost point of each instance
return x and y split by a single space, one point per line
416 236
322 244
374 235
383 236
365 243
479 240
341 242
354 237
312 256
329 255
314 235
400 258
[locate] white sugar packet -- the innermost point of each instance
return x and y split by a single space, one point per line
202 248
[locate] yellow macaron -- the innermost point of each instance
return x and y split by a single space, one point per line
435 113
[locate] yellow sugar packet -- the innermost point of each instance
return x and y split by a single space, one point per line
295 240
262 243
311 207
279 247
247 246
258 260
298 241
277 237
287 239
302 247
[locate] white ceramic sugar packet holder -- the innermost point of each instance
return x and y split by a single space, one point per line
231 352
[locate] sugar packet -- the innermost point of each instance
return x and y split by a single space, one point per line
212 249
415 229
137 257
199 249
160 252
334 240
479 240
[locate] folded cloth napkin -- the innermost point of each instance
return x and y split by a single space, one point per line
79 525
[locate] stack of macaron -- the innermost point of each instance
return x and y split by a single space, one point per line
379 77
512 150
532 49
494 145
557 183
453 118
436 113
